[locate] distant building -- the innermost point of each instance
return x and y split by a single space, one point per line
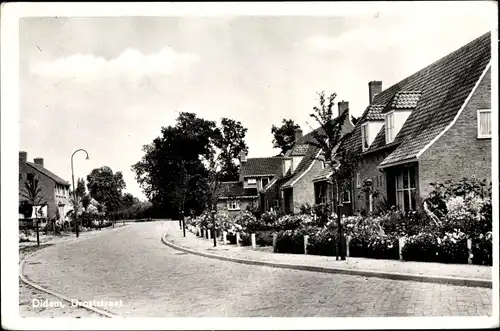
254 187
54 189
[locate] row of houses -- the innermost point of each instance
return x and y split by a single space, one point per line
431 126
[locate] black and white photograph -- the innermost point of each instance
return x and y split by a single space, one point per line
324 165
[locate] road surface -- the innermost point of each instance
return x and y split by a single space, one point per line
153 280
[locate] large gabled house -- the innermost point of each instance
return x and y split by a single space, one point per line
255 187
432 126
301 165
54 191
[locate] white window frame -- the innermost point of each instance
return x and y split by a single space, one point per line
364 137
479 134
358 180
252 181
233 204
389 127
407 190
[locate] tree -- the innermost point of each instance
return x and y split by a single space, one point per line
128 200
32 194
332 139
80 188
284 136
106 187
174 171
354 120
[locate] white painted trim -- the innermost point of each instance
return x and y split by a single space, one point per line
363 149
270 184
307 170
458 114
479 135
385 127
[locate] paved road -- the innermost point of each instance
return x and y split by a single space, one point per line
154 280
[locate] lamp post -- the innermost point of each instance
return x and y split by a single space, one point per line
75 211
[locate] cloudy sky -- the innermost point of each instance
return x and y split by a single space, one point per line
109 84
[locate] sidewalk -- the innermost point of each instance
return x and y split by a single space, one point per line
457 274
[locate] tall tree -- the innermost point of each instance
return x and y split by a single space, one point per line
129 200
32 194
80 188
228 143
332 139
106 187
284 136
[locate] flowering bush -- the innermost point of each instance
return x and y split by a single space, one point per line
290 241
290 222
469 213
482 249
420 247
452 247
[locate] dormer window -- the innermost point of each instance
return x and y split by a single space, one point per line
389 127
364 137
484 123
252 181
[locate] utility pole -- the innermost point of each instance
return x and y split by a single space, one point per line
213 225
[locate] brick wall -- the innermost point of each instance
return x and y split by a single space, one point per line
459 153
303 189
368 170
244 203
46 185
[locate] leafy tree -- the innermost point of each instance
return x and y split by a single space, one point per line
128 200
284 136
80 188
32 194
174 171
354 120
331 138
106 187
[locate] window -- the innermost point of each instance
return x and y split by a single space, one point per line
265 181
364 137
406 189
252 181
346 197
358 180
321 193
276 204
389 127
322 164
233 205
484 123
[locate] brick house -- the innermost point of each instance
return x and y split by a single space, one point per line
302 165
432 126
255 187
54 189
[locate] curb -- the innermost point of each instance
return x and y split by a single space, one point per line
469 282
99 311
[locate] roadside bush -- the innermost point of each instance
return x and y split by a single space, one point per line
420 247
482 250
322 241
290 241
452 248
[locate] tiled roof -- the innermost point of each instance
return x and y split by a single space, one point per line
235 189
444 86
372 113
299 150
323 174
404 100
47 173
259 166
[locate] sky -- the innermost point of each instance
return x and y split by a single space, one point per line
108 84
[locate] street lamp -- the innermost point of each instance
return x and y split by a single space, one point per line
75 211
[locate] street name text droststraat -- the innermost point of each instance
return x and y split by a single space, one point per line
77 303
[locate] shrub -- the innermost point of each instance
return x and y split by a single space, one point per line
291 222
290 241
322 241
482 250
421 247
452 248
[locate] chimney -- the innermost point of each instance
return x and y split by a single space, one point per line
374 87
38 161
343 106
298 134
243 156
23 157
